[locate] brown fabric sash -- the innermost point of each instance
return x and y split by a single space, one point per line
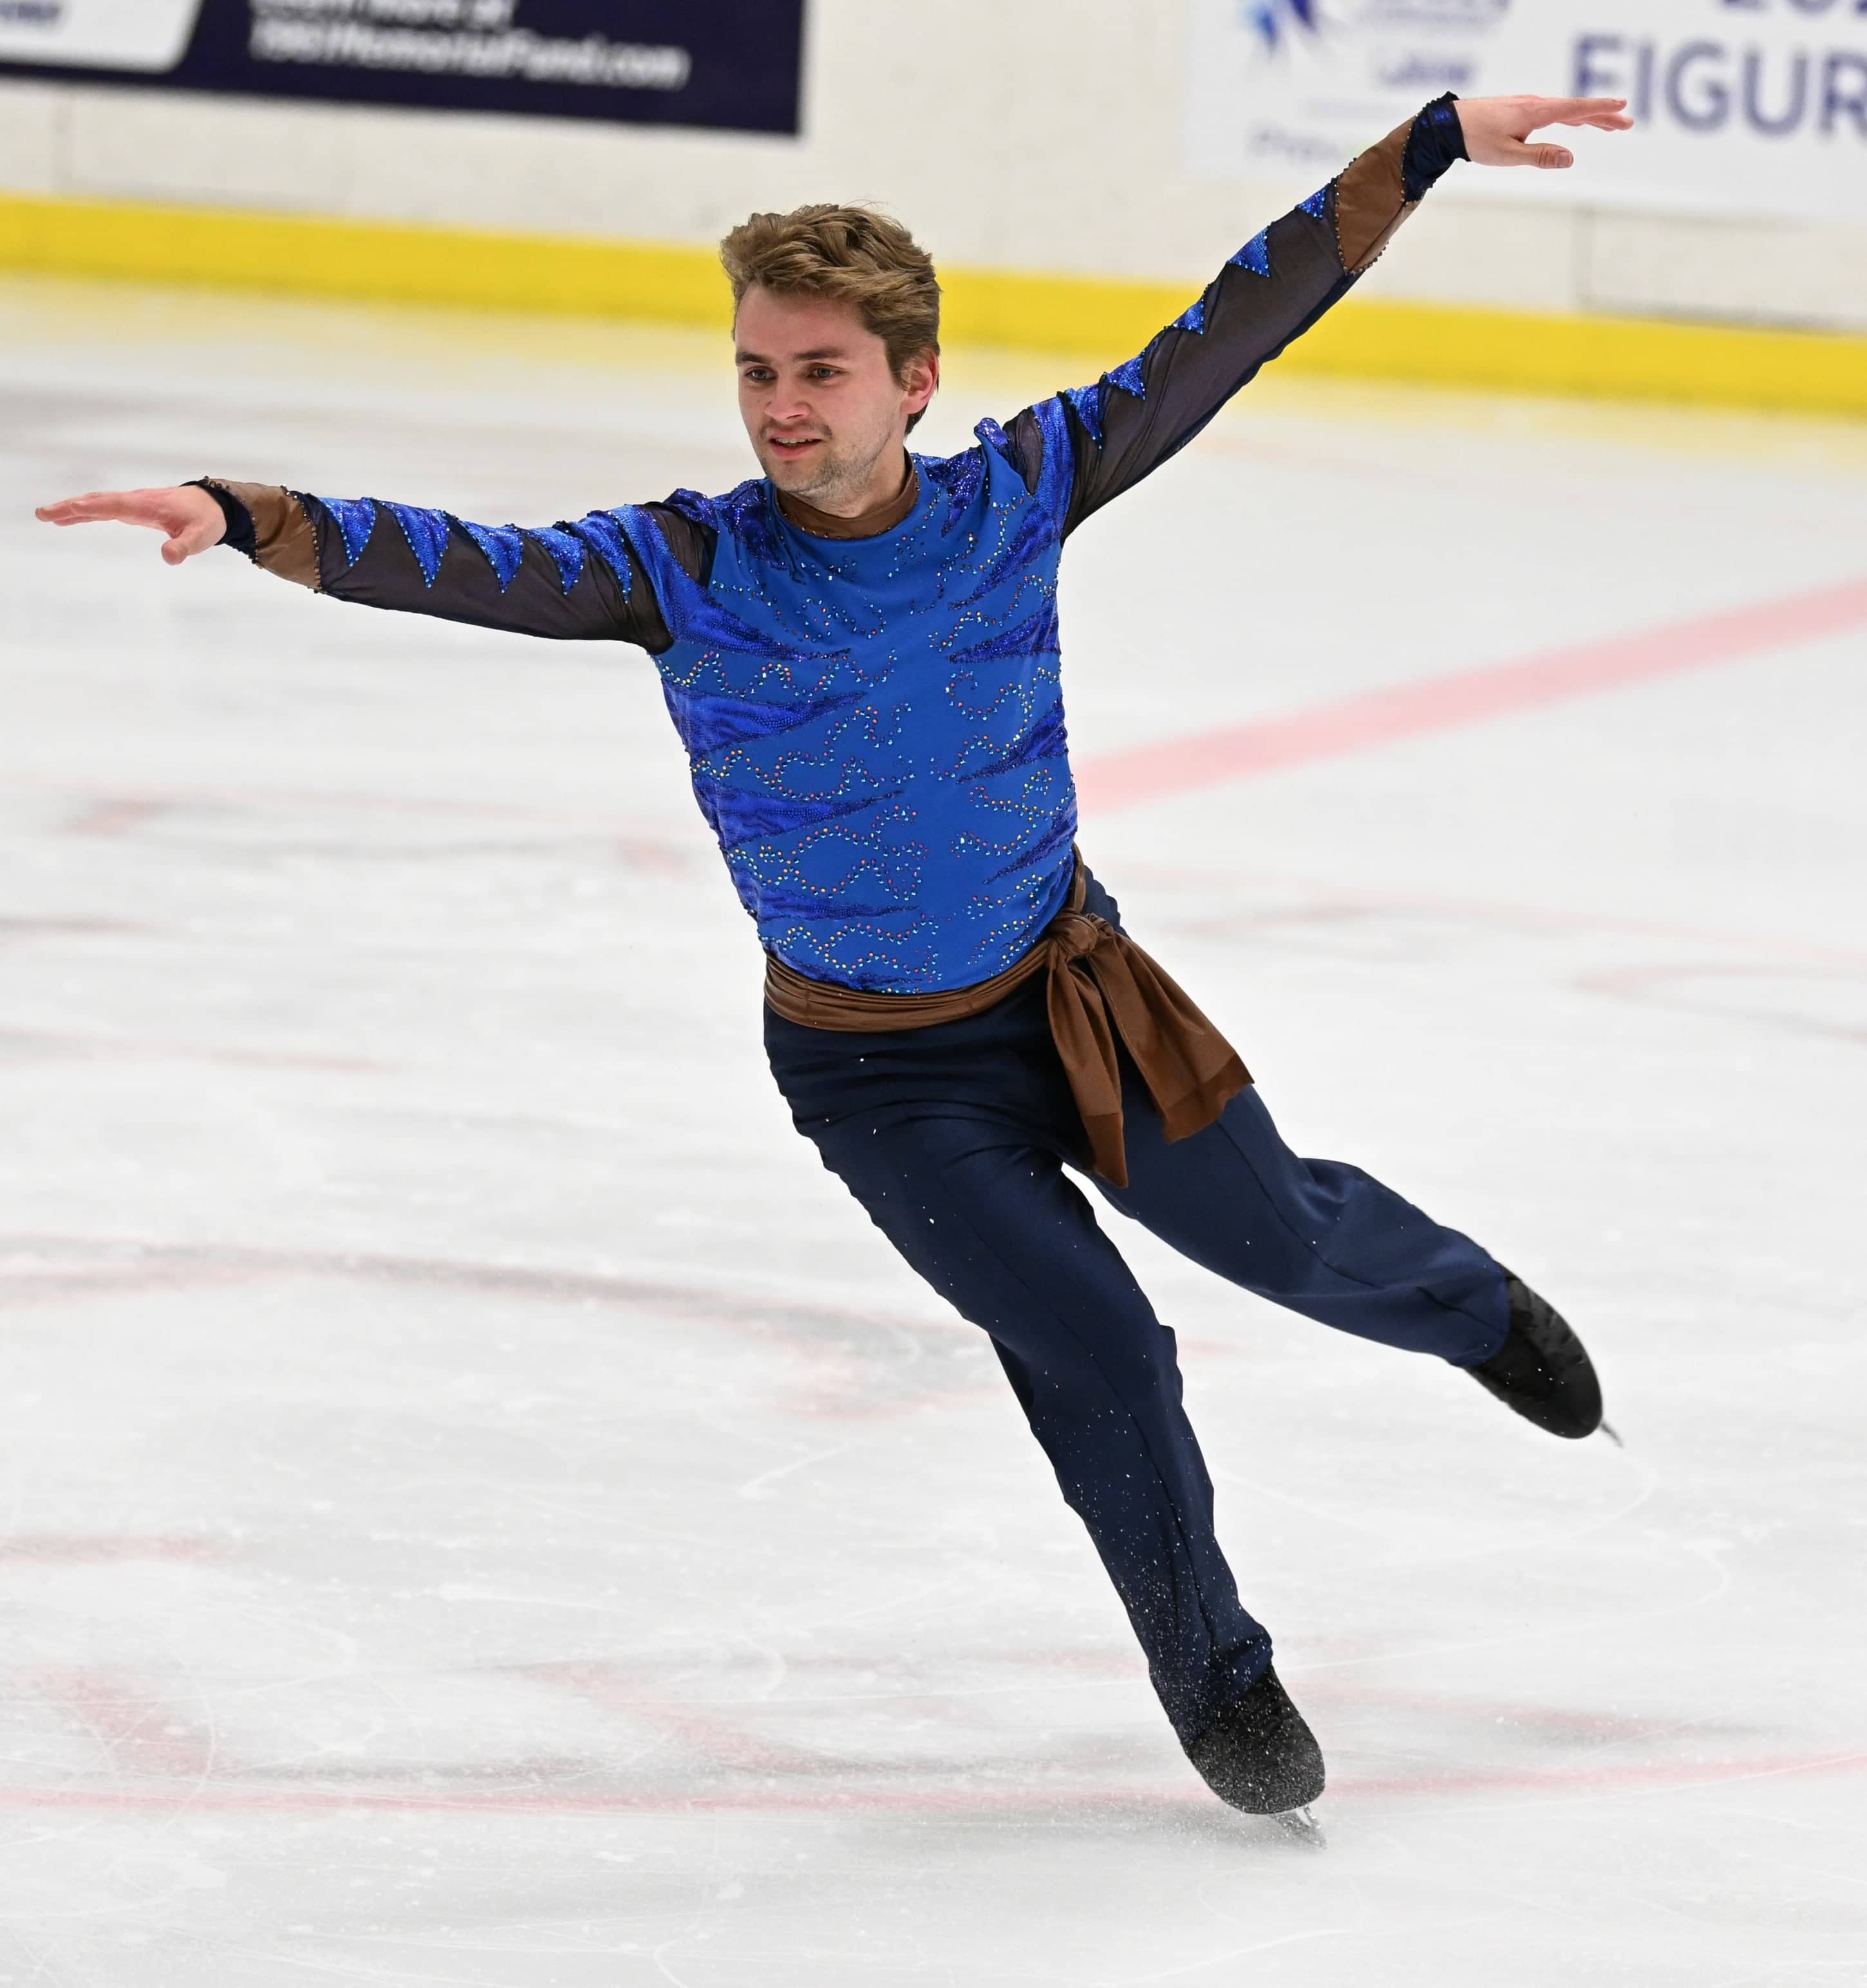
1100 985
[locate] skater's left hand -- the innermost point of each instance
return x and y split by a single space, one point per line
1497 128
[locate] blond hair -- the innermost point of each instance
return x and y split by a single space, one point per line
852 254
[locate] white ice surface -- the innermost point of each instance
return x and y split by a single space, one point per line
483 1507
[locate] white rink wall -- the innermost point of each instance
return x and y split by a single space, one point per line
1011 134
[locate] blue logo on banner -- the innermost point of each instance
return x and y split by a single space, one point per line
1275 19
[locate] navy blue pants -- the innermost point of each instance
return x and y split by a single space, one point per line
955 1139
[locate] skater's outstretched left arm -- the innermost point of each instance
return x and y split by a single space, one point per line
1139 413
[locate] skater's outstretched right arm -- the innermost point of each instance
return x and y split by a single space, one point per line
577 581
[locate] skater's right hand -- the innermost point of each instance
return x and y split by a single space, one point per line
189 519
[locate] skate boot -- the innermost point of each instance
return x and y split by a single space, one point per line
1260 1755
1542 1370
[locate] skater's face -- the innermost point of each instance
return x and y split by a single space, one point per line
828 418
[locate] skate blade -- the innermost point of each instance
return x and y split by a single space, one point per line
1301 1824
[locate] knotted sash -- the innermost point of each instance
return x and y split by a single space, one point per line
1100 985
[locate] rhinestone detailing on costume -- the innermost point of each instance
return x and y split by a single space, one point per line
1087 402
874 726
504 548
1255 255
566 552
602 531
355 518
427 534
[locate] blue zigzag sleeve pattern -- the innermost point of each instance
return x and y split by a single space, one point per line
602 531
1130 376
1255 256
566 552
427 534
577 581
355 518
1139 413
502 546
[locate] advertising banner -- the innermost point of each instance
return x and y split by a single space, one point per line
732 65
1744 106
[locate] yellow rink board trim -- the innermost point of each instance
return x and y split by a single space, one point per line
1618 358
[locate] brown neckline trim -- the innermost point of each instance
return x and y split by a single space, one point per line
878 518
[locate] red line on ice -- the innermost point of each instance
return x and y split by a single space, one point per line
721 1741
117 1261
74 1549
1465 697
143 1735
229 1796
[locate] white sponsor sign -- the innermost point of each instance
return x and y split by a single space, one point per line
1743 106
151 36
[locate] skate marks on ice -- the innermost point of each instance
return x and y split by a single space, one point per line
1753 979
358 822
481 1508
951 1735
856 1364
351 1617
1217 756
1301 1826
438 1593
1811 997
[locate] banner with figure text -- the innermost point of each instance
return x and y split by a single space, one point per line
1744 106
731 65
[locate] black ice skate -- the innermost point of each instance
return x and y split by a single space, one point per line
1260 1755
1542 1370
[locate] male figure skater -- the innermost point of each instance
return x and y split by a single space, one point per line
859 651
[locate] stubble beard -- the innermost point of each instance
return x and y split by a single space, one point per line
835 475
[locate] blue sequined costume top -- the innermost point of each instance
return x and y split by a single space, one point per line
874 726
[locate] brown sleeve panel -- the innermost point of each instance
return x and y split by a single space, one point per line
283 540
1371 201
